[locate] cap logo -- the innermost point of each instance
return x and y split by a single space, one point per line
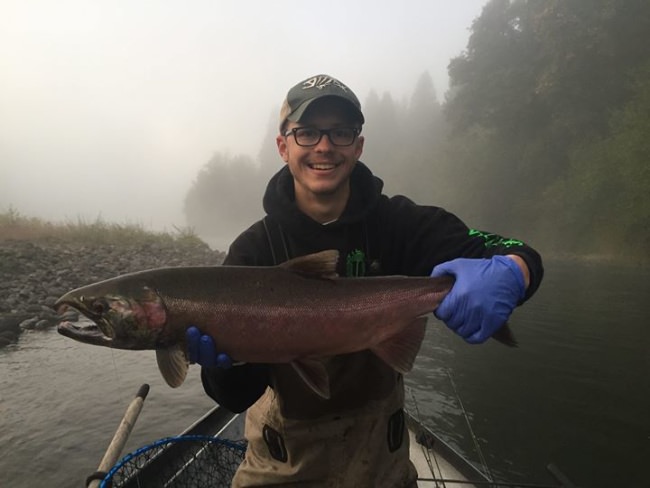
300 97
321 82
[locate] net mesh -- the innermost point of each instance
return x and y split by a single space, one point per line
181 461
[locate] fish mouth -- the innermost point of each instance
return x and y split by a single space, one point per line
87 332
95 328
100 326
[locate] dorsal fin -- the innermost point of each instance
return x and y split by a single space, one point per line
318 265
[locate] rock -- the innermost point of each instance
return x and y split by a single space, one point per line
12 321
8 335
43 324
47 313
28 324
33 308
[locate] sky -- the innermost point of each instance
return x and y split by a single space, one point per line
108 109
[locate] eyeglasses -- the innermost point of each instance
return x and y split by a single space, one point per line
310 136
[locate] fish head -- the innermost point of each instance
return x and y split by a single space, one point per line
125 315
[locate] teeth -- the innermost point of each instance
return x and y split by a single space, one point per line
323 166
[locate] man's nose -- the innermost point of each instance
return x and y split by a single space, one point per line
324 144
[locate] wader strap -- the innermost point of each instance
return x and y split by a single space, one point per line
277 242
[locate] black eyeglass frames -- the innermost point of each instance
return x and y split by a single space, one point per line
310 136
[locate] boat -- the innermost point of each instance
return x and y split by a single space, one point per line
186 460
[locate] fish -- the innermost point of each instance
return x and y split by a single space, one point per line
299 312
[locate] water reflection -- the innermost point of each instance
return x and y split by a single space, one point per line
576 391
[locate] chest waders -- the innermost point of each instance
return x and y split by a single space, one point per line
366 445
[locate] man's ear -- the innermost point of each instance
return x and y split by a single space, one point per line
359 149
281 142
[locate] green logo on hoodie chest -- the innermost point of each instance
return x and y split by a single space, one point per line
355 264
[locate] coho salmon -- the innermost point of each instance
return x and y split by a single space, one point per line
298 312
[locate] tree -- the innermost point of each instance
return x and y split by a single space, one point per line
544 114
603 204
268 156
225 197
384 145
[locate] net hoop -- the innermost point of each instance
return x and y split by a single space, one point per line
139 458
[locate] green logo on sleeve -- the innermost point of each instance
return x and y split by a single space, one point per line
491 240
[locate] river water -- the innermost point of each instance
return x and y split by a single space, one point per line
576 392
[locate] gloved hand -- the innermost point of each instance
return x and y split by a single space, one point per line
201 350
484 295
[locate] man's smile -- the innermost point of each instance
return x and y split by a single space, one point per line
322 166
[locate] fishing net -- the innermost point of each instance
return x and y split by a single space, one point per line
179 462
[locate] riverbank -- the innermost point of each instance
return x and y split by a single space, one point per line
35 271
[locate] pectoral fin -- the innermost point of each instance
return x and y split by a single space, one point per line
399 351
173 365
313 372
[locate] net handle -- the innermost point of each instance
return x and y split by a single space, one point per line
121 435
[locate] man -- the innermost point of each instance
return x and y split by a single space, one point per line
325 198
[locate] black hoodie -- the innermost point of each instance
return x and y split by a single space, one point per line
375 235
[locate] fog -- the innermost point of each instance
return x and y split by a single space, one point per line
109 109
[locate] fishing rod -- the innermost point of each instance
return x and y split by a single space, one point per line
440 463
471 431
427 453
558 475
480 479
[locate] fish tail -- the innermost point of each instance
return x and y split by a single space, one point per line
505 336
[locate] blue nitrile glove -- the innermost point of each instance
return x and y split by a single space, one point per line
201 350
484 295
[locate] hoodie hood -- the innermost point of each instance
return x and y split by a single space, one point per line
280 203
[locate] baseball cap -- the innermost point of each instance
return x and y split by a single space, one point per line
313 88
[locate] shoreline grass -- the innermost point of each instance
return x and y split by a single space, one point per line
15 226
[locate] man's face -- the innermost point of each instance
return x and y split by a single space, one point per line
321 172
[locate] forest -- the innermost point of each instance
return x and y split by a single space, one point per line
543 135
